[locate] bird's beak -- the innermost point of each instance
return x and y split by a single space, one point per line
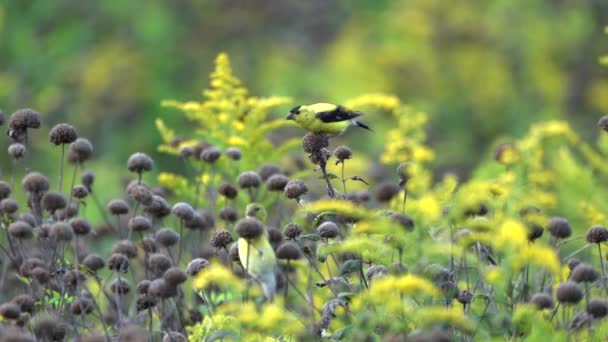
291 116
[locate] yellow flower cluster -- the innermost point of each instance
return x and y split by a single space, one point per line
217 275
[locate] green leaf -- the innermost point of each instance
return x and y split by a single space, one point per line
350 266
357 178
310 237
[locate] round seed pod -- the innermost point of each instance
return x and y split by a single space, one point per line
386 191
80 226
41 274
10 311
159 263
118 207
23 119
9 206
72 278
167 237
229 214
535 231
597 234
93 262
234 153
559 228
464 297
120 286
53 201
82 306
25 302
186 152
141 193
233 253
68 212
140 162
125 247
295 189
376 271
61 231
275 237
174 336
403 220
88 178
277 182
143 286
266 170
288 251
80 192
118 263
149 245
404 171
158 208
63 134
314 142
49 327
174 276
145 302
221 239
328 230
343 153
16 151
210 154
249 179
35 182
227 190
80 150
196 266
603 123
20 230
5 190
249 228
292 231
542 301
584 273
139 224
598 308
183 211
158 288
29 218
569 293
573 262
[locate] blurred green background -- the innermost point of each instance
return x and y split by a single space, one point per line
481 69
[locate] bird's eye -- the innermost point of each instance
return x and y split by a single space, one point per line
295 110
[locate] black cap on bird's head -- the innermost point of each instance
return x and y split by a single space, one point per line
293 112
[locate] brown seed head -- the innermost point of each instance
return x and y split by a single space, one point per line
140 162
249 179
63 134
249 228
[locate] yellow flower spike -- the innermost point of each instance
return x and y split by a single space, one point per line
342 207
238 125
511 233
428 316
408 284
217 275
171 180
494 276
223 117
236 141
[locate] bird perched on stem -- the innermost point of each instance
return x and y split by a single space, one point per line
325 118
256 253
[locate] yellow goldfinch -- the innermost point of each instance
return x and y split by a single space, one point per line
255 251
325 118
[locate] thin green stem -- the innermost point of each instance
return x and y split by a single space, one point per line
61 168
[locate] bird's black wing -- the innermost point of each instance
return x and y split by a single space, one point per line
338 114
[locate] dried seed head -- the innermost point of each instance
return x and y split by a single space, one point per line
210 154
598 308
584 273
126 247
573 262
53 201
292 231
139 224
464 297
41 274
62 134
227 190
597 234
80 151
158 288
82 306
5 190
140 162
80 192
80 226
9 206
542 301
174 276
145 302
233 253
295 189
25 302
249 179
29 218
569 293
72 278
535 231
49 327
234 153
16 151
288 251
159 263
149 245
35 182
559 227
118 263
186 152
277 182
158 208
10 311
143 286
183 211
249 228
229 214
221 239
93 262
174 336
20 230
61 232
118 207
343 153
603 123
405 221
167 237
23 119
506 153
120 286
266 170
314 142
29 265
275 237
404 171
196 266
88 178
328 230
376 271
199 147
386 191
320 157
132 333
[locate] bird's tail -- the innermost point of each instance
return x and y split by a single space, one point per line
268 281
362 125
